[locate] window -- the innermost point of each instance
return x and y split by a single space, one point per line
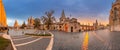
115 14
60 26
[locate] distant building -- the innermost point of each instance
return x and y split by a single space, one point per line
86 28
66 24
114 18
95 25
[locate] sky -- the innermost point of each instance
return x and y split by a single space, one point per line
86 11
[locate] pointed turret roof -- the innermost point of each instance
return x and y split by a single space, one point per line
16 24
2 15
96 21
63 14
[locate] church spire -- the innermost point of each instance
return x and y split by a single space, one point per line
63 14
63 17
96 22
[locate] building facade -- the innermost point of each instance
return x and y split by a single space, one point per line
96 25
114 18
66 24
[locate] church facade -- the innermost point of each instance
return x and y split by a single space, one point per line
114 18
66 24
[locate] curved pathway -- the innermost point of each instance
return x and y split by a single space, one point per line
23 42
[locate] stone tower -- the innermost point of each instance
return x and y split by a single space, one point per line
63 17
114 18
3 22
30 22
16 25
96 23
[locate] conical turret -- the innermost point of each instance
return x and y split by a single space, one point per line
16 24
2 15
63 14
63 17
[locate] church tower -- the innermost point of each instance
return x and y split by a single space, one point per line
3 22
63 17
114 18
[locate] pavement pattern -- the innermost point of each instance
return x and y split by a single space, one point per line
90 40
23 42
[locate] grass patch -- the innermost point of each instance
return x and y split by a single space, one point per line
38 34
4 43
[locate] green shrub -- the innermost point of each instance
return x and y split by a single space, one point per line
38 34
4 43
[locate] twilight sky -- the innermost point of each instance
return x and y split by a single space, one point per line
86 11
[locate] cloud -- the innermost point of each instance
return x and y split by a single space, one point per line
22 9
11 21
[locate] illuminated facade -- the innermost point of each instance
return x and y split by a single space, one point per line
3 21
114 18
70 25
66 24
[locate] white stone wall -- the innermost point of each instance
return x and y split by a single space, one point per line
115 28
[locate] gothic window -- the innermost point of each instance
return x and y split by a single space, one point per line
59 26
115 14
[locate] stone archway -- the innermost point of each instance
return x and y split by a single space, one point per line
71 29
79 30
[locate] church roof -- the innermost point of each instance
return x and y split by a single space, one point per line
3 20
63 14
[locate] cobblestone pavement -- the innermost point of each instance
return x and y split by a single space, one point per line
23 42
67 41
92 40
97 40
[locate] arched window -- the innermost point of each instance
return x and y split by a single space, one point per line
115 14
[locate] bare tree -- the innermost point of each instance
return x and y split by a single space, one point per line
37 23
23 25
48 19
